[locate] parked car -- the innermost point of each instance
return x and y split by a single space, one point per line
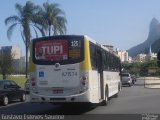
126 79
26 86
9 91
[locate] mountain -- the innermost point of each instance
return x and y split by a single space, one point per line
156 46
154 35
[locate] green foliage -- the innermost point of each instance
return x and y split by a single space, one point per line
142 69
50 20
132 68
158 58
158 63
6 61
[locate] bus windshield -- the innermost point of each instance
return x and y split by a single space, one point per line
63 50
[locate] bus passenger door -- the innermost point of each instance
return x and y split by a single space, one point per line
100 73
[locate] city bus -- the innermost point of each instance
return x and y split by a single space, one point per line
72 69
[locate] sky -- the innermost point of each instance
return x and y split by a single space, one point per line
121 23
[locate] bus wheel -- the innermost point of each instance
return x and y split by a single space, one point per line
105 101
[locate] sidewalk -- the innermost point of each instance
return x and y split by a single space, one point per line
152 82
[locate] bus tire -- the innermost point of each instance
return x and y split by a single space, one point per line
105 101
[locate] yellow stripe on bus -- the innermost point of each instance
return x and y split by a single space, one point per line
86 64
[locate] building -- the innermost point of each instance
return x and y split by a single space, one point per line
110 47
146 57
18 61
15 51
151 56
123 55
23 62
130 60
140 58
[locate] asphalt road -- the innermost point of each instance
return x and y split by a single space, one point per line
131 100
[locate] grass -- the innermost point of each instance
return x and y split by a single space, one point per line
20 80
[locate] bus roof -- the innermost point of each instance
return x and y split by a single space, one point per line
93 41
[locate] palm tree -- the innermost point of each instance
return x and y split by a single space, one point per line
23 19
51 19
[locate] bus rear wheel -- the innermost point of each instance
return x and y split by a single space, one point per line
105 101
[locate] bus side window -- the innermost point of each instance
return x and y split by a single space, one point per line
104 60
114 62
110 61
107 61
118 64
93 56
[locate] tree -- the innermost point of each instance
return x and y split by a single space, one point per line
158 58
6 61
24 19
51 19
142 69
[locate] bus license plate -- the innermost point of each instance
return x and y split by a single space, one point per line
57 91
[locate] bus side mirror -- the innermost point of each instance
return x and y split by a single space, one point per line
158 58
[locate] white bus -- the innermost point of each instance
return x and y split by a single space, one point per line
72 68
